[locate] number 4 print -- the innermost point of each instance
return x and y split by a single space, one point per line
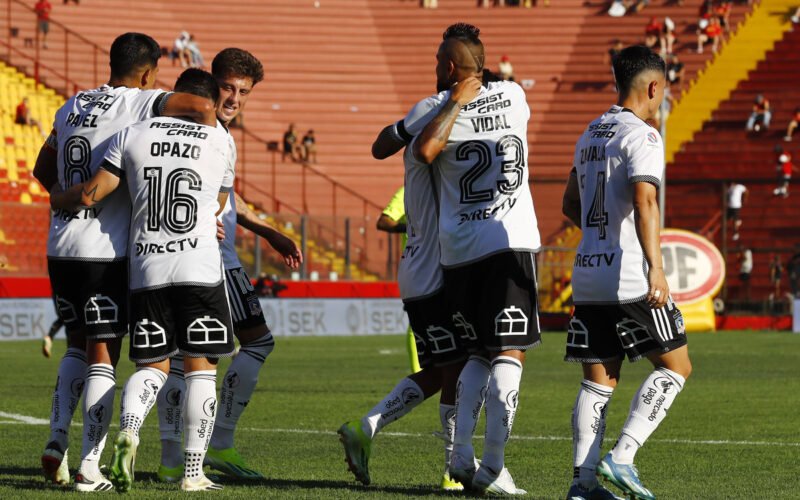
597 215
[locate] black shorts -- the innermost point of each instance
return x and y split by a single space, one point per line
609 332
438 342
245 308
494 301
91 296
733 213
194 320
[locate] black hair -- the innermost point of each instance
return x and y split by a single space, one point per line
469 34
131 52
631 61
198 82
489 77
239 62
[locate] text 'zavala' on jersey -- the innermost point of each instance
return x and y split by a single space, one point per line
616 151
82 129
485 201
175 171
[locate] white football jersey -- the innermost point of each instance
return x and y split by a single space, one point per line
82 130
230 259
616 150
485 202
175 170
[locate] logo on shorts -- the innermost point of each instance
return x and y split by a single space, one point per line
680 326
77 387
148 333
232 380
97 412
210 407
100 310
207 330
174 396
65 310
511 321
442 340
631 333
467 330
512 398
577 334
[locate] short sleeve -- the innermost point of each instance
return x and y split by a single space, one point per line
52 141
419 116
149 103
230 163
113 159
645 155
395 210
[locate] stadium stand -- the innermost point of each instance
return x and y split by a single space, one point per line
723 151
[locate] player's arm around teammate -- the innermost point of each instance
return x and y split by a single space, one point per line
285 246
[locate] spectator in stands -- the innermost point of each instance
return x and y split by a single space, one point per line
496 3
706 11
617 9
675 71
42 9
775 275
652 33
608 57
180 50
24 117
761 113
792 125
430 4
712 32
785 169
745 268
505 69
793 266
291 144
634 6
723 13
668 37
737 195
194 52
796 16
310 147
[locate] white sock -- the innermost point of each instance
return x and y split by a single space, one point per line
648 409
98 406
447 415
138 396
501 406
473 383
170 421
588 428
199 410
237 387
405 396
67 394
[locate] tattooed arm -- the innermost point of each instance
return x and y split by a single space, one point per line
87 193
433 137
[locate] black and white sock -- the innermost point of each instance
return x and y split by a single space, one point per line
470 394
199 411
501 407
588 428
405 396
139 396
170 419
98 406
648 409
67 394
447 416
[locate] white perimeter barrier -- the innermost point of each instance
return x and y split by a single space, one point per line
26 319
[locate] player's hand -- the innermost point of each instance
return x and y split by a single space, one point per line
659 289
220 231
465 90
291 254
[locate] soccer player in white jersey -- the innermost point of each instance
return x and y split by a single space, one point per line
86 249
178 175
622 301
488 236
439 344
237 72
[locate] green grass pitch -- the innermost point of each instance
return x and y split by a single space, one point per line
733 433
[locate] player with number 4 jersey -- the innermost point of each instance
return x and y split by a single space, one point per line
622 302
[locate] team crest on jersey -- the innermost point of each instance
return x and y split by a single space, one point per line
207 330
148 333
511 321
255 306
100 310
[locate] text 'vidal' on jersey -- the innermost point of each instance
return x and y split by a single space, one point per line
486 204
175 171
616 150
82 129
230 259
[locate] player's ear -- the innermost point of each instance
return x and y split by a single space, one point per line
145 78
651 89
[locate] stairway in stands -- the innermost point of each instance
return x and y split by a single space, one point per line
349 67
723 151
